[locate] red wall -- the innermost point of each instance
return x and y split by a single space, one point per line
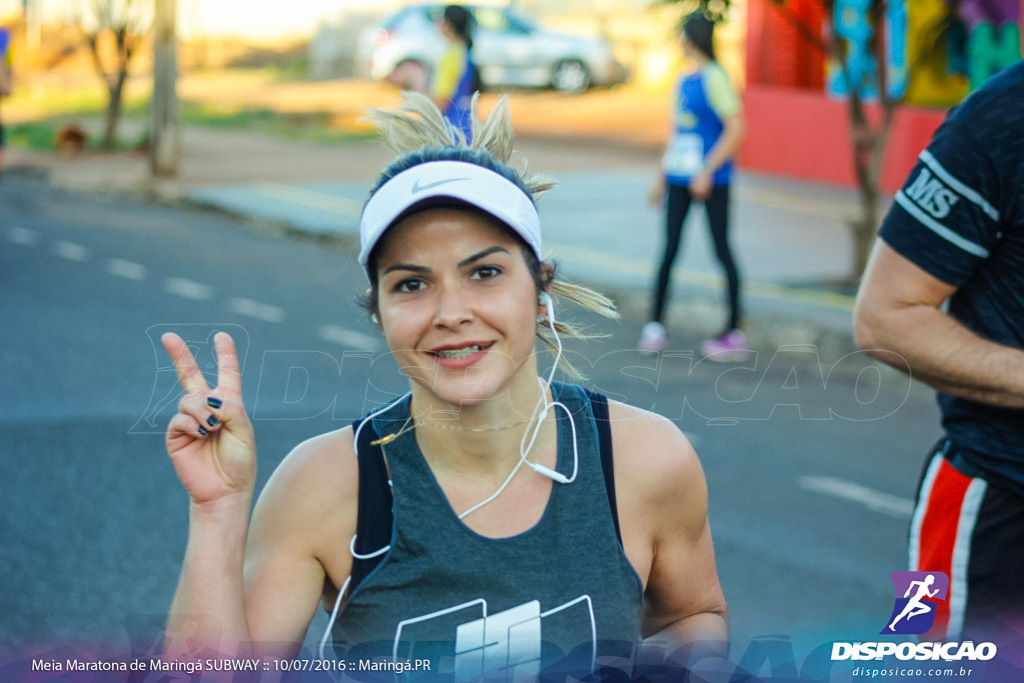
777 53
805 134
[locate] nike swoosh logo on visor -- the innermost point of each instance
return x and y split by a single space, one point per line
417 187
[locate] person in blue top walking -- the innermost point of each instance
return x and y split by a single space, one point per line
697 165
455 77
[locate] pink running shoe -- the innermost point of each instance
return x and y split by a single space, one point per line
653 338
731 347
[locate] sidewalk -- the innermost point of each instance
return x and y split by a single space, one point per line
789 236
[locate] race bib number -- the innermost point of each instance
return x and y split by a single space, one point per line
684 155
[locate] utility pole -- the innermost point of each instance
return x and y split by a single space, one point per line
32 13
165 135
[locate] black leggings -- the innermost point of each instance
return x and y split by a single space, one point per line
717 208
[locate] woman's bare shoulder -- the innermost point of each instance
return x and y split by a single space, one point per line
318 479
327 456
651 452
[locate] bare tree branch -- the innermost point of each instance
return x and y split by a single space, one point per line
113 32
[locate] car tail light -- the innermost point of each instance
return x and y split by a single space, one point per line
381 36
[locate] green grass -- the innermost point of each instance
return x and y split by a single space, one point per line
307 126
32 135
41 136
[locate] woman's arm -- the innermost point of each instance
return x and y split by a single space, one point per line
208 610
210 443
298 541
663 514
249 587
724 149
725 102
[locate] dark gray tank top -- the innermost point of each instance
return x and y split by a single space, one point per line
560 596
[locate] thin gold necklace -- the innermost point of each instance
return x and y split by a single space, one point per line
459 428
411 424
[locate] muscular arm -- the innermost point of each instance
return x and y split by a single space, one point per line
898 320
297 540
663 511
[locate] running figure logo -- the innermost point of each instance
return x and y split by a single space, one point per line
917 597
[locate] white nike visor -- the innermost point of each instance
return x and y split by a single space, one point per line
459 181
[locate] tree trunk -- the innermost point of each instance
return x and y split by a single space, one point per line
869 146
113 116
864 231
125 32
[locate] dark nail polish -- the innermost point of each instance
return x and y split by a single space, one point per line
214 402
202 431
212 421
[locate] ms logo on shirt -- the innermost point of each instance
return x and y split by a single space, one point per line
931 194
917 597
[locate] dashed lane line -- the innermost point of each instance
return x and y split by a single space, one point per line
877 501
23 236
346 337
193 290
70 251
188 289
255 309
126 269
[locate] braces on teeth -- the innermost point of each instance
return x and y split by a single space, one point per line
459 353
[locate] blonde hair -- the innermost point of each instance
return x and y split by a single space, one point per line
418 132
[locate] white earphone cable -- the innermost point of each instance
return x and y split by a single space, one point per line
530 437
542 406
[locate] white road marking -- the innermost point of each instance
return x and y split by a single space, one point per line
126 269
188 289
876 501
345 337
255 309
19 235
70 251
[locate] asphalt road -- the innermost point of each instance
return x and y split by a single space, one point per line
811 460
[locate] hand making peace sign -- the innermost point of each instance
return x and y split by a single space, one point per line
210 439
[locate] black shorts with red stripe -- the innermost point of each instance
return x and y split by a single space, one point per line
972 528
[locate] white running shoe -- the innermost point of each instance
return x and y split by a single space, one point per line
653 338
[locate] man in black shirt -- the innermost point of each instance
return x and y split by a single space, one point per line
956 234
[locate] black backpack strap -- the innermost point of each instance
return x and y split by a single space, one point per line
373 525
599 404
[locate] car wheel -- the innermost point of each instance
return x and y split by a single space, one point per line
570 76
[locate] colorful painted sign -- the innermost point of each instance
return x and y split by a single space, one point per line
937 51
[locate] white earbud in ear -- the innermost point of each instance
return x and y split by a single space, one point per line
549 473
545 300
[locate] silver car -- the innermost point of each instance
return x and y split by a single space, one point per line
509 48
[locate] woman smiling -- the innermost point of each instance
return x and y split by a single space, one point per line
491 523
